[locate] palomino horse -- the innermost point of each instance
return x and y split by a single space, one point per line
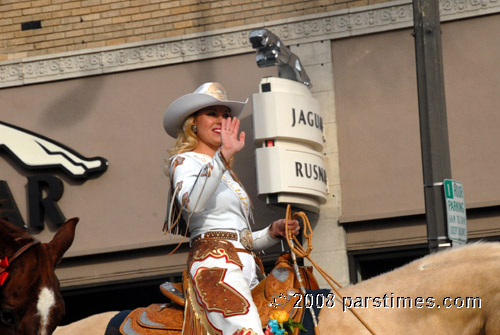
30 300
451 292
456 291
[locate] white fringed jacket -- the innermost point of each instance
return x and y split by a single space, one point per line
212 200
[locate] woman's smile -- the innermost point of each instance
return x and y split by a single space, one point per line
208 122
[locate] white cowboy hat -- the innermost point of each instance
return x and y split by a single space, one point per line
208 94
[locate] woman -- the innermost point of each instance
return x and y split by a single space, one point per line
216 209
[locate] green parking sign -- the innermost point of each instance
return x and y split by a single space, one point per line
455 211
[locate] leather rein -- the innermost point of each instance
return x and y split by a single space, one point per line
4 264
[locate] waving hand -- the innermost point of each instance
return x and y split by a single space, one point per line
232 142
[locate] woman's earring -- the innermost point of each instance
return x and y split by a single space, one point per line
194 128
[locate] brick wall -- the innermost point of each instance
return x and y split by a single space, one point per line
75 25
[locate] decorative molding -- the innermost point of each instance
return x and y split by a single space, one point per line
327 26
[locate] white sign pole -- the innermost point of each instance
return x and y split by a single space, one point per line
455 212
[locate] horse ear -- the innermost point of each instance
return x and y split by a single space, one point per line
62 240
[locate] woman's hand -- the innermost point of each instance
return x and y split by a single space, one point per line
277 228
231 142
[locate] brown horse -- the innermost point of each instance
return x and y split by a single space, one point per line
451 292
30 299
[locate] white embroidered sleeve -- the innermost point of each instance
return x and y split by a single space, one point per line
198 181
262 239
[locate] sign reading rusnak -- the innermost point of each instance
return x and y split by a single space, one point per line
36 152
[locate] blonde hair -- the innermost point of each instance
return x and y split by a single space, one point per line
186 140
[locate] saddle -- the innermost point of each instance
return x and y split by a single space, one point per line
280 289
165 319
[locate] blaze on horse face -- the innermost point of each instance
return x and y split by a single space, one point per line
30 299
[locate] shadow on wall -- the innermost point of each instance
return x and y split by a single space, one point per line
74 105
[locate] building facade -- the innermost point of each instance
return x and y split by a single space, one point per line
97 76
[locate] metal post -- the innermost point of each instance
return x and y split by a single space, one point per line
433 122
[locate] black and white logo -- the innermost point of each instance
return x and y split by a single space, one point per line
35 151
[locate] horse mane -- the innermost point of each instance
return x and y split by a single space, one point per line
9 233
471 253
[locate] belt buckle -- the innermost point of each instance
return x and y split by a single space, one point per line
246 239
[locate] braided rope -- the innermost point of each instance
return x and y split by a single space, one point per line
297 249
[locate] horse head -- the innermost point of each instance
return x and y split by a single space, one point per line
30 299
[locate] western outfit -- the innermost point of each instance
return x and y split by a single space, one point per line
214 204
